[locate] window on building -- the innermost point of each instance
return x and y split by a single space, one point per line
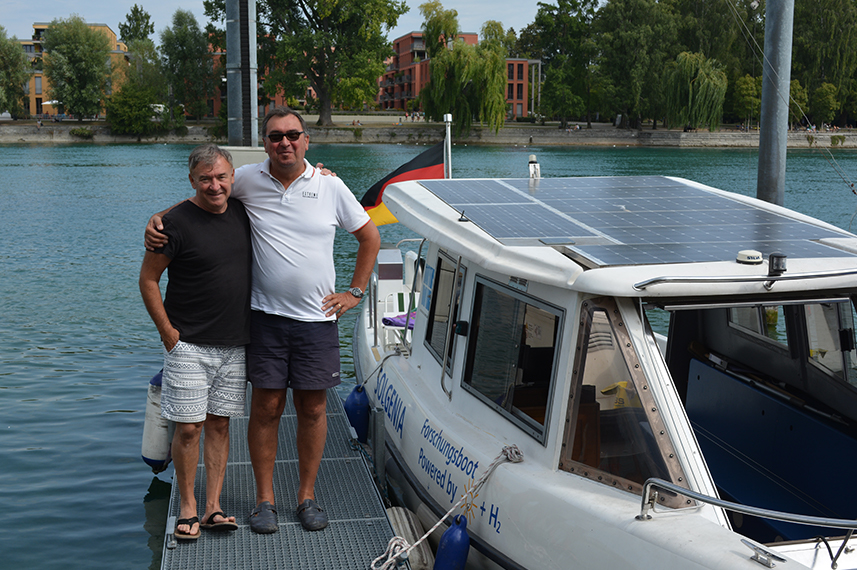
520 92
511 71
38 85
520 110
511 354
520 72
39 106
30 48
511 91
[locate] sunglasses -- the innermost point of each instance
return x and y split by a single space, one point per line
291 135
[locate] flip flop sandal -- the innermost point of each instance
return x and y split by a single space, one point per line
219 526
312 516
183 535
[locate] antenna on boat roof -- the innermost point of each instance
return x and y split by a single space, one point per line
535 169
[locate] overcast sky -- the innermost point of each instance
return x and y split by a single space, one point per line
18 16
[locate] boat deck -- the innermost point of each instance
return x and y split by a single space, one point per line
359 529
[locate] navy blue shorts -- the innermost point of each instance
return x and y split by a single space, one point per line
285 353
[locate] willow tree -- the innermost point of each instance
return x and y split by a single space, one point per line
467 81
696 88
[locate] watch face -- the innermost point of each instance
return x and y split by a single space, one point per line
356 291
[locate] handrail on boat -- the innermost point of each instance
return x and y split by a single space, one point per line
649 499
767 279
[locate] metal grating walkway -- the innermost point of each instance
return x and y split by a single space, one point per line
359 529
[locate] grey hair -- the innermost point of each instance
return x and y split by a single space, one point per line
281 112
207 154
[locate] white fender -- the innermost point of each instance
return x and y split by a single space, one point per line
156 430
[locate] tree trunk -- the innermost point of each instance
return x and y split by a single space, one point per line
325 114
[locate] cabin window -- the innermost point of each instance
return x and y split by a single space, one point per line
439 310
830 339
618 436
765 321
823 334
511 354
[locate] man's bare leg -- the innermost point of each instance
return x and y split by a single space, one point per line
215 456
311 409
266 407
185 452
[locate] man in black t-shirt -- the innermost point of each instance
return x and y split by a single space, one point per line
204 325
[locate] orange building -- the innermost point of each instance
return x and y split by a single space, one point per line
37 89
408 72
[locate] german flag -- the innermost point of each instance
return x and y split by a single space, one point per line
425 166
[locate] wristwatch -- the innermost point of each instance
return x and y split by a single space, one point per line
357 292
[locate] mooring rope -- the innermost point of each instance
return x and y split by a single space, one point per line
398 548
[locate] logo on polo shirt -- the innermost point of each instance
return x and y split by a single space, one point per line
309 194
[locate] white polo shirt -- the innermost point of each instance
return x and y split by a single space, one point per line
292 232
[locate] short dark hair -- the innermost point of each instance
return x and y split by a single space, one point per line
281 112
207 154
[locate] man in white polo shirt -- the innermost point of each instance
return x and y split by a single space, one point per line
294 342
294 213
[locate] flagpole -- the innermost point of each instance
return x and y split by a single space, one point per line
447 147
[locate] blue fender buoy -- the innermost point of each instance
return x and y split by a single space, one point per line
156 430
454 546
357 410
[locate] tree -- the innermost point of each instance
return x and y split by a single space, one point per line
564 40
440 27
14 73
825 45
137 25
558 97
798 100
337 48
636 39
747 96
76 65
824 103
130 112
187 64
467 81
696 87
144 71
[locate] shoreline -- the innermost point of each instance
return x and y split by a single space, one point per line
384 130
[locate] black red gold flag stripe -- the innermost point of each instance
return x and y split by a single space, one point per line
427 165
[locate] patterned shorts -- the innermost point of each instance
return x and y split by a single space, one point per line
200 380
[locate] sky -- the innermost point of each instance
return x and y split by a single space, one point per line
18 16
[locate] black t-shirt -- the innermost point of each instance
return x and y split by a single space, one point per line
208 292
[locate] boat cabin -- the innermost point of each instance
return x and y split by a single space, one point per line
624 329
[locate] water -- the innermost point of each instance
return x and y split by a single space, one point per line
77 347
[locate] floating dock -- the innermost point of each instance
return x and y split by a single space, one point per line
359 529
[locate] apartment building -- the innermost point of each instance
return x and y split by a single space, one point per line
37 88
408 72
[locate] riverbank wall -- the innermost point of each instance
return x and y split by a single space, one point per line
421 133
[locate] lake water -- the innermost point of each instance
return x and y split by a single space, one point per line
77 348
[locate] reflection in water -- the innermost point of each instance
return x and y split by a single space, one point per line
157 504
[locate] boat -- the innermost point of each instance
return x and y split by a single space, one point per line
673 365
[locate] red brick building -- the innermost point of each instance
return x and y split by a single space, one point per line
408 72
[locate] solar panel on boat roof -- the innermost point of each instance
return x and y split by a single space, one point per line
636 220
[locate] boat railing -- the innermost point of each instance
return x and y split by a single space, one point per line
650 496
768 280
373 305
